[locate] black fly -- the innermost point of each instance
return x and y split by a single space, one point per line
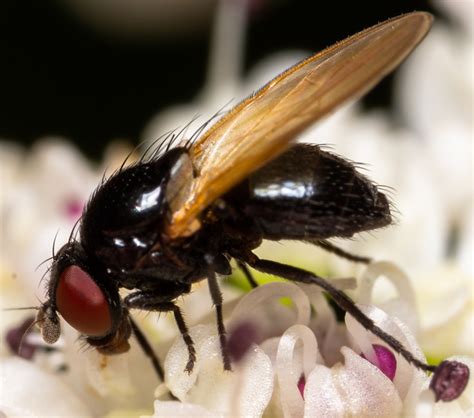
171 220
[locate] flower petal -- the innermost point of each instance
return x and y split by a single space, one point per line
245 391
108 374
356 388
403 305
28 391
273 317
322 397
174 409
330 334
408 380
289 370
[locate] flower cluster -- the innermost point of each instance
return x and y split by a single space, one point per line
298 360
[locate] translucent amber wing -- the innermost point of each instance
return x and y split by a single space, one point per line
262 126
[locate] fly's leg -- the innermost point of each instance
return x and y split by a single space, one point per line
331 248
248 275
150 302
146 347
324 244
216 296
339 297
449 378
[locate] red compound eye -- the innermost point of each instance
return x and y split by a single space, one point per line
82 303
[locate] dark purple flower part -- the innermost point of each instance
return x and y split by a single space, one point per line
387 361
301 385
449 380
16 339
241 339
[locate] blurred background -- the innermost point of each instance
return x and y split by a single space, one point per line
93 71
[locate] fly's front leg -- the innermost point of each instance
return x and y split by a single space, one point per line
146 347
150 302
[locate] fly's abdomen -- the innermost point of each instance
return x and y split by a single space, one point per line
310 193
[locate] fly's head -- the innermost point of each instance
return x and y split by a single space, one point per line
80 292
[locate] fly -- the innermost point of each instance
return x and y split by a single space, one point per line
179 217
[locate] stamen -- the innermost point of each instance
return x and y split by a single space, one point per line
449 380
387 362
301 385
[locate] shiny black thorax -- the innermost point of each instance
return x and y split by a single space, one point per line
305 194
122 229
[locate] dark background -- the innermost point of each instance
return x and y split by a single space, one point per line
60 76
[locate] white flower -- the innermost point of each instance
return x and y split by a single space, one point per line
298 349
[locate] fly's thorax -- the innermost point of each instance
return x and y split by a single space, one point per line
125 218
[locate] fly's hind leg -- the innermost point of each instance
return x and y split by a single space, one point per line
324 244
331 248
150 302
340 298
248 275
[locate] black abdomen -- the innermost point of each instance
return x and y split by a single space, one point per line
307 193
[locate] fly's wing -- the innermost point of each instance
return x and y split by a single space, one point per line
263 125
